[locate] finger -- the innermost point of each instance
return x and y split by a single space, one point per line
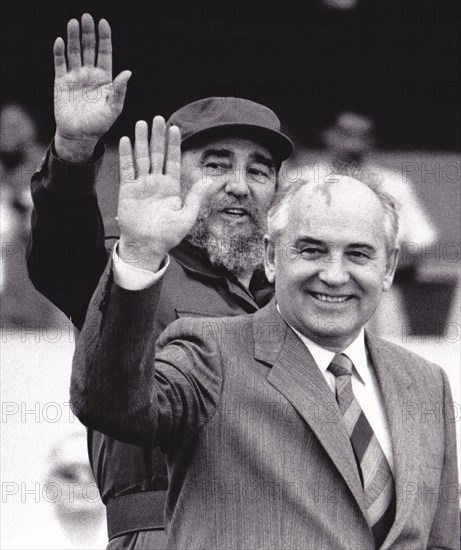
125 158
173 154
60 65
157 145
74 57
88 40
105 47
141 147
120 85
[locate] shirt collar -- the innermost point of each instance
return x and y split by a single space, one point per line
356 351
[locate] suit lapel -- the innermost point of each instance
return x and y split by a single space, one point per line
295 374
405 434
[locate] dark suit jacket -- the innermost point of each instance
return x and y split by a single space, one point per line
67 256
258 455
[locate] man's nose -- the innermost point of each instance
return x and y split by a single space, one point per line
334 272
235 183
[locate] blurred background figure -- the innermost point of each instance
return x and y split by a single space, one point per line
349 144
79 510
19 151
70 490
20 154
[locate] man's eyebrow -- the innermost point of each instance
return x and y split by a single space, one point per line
220 153
262 159
369 247
309 240
226 153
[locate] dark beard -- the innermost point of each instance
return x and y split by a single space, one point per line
238 252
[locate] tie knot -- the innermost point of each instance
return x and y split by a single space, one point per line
341 365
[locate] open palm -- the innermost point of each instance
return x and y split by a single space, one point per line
87 100
151 215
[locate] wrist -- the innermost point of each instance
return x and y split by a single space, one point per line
75 150
140 255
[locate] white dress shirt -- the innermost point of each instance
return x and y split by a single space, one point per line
364 385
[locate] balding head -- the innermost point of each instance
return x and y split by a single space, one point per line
335 190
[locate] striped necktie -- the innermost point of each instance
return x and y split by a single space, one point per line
377 480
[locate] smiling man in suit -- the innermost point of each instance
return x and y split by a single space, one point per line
292 427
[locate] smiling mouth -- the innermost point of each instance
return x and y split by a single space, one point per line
330 299
237 212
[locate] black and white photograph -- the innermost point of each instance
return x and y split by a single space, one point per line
230 274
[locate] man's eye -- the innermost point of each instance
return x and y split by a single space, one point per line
67 474
213 165
311 252
216 166
259 174
359 256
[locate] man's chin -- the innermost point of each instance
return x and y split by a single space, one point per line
221 229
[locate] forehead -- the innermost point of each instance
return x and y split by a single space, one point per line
343 214
233 145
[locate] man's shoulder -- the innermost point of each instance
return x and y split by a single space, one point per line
413 362
210 330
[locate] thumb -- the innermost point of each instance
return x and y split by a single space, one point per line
120 85
197 195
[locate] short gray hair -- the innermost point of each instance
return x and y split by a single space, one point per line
278 215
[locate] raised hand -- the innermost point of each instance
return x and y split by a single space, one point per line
87 100
151 214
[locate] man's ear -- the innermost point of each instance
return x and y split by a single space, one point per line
269 258
390 270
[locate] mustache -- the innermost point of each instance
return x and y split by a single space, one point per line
216 204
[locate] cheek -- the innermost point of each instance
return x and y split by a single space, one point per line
190 174
372 284
290 272
263 195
